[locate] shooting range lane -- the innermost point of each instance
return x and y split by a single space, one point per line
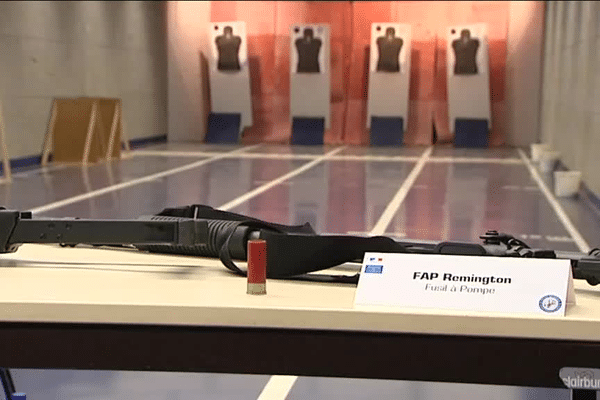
584 216
213 184
245 179
579 214
334 197
461 201
71 180
119 186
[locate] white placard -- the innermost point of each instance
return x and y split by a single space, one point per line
467 283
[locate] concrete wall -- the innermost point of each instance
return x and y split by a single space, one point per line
571 86
188 75
81 48
524 50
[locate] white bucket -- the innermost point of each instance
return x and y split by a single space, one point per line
548 160
566 183
537 149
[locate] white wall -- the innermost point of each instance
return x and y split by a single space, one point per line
187 32
524 48
571 91
81 48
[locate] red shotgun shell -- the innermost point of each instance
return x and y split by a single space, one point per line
257 266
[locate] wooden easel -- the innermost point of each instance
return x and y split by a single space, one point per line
95 119
5 159
127 152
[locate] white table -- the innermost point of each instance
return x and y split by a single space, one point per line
122 309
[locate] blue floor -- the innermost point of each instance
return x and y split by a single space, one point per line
458 195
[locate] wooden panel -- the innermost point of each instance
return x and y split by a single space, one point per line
71 126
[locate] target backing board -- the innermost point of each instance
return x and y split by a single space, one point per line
468 73
228 69
310 81
389 71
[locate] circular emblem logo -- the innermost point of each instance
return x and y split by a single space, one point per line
550 303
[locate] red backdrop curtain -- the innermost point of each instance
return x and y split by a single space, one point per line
268 22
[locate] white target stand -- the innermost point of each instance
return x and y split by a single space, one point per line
468 79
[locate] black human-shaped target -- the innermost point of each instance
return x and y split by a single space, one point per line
389 47
308 48
228 47
465 53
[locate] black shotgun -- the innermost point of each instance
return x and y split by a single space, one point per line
293 251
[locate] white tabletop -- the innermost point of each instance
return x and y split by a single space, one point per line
47 283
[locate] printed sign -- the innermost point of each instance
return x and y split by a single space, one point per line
473 283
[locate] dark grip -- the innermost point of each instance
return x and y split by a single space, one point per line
218 231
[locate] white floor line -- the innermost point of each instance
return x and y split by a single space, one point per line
352 157
195 154
275 156
133 182
253 193
173 153
475 160
279 386
345 157
392 207
581 243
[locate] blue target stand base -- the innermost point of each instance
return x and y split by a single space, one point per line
471 133
387 131
18 396
223 128
308 131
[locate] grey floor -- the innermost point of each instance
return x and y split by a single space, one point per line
458 195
